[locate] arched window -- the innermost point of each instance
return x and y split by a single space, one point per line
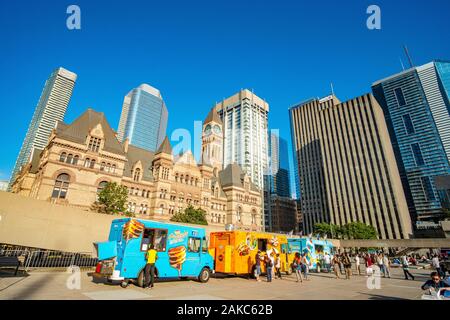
87 163
102 166
61 186
137 174
69 158
75 160
92 164
113 170
253 216
101 186
239 214
62 157
161 208
108 167
176 177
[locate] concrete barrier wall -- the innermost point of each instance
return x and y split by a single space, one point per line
35 223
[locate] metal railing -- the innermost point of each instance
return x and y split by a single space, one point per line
32 259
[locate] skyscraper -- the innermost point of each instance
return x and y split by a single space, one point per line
50 109
279 165
244 116
416 106
144 118
347 166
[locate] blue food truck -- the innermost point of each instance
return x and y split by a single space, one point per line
314 249
182 252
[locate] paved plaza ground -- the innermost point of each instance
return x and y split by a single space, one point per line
53 285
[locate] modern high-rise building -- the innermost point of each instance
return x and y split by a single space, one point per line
347 167
244 116
279 165
144 118
417 111
50 109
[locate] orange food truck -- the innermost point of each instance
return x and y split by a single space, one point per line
234 252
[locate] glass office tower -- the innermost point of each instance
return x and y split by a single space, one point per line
51 108
417 110
279 165
144 118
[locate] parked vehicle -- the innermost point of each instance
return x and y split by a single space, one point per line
234 252
315 250
182 251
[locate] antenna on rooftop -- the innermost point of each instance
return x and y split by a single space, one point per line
411 65
332 89
401 63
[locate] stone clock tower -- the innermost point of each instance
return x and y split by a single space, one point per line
212 141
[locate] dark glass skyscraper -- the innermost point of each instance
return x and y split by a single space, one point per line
144 118
417 111
278 150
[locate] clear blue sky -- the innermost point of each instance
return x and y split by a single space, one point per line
198 52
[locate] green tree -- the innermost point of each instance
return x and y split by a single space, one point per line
359 230
322 229
191 215
112 199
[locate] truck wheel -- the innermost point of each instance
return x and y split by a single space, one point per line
204 275
140 279
124 284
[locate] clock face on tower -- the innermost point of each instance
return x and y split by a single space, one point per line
208 129
217 129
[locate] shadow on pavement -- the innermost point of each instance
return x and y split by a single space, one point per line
381 297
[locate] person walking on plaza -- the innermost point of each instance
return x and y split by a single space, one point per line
149 271
387 266
336 263
327 261
278 266
358 264
297 267
437 265
258 266
269 267
405 266
347 266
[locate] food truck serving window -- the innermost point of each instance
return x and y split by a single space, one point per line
262 244
194 244
157 237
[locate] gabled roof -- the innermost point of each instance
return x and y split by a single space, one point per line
136 154
79 129
213 116
165 147
231 176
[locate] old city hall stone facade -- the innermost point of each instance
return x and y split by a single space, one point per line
82 157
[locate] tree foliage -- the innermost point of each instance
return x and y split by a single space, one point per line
191 215
353 230
112 199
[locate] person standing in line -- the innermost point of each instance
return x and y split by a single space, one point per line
380 264
149 271
436 265
297 267
369 263
258 266
387 266
278 266
405 266
269 267
358 264
305 266
347 266
327 261
336 263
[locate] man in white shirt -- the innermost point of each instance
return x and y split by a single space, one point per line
358 264
327 261
436 264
